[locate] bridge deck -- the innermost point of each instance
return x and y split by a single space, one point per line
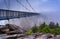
10 14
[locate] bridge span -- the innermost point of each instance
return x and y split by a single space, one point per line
10 14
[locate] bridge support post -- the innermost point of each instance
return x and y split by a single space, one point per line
8 20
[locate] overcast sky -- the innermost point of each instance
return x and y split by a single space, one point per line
50 8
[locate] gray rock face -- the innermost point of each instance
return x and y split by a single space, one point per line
43 36
58 37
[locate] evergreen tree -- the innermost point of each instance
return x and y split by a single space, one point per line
57 25
42 25
52 25
35 29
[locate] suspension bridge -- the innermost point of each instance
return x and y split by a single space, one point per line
10 14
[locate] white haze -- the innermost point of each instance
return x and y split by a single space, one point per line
27 22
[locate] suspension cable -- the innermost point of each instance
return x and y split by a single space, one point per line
7 4
22 5
30 6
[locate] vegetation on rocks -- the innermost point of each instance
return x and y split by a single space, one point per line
44 28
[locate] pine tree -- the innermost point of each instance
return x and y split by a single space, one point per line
52 25
57 25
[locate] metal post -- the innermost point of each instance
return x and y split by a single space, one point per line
8 20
